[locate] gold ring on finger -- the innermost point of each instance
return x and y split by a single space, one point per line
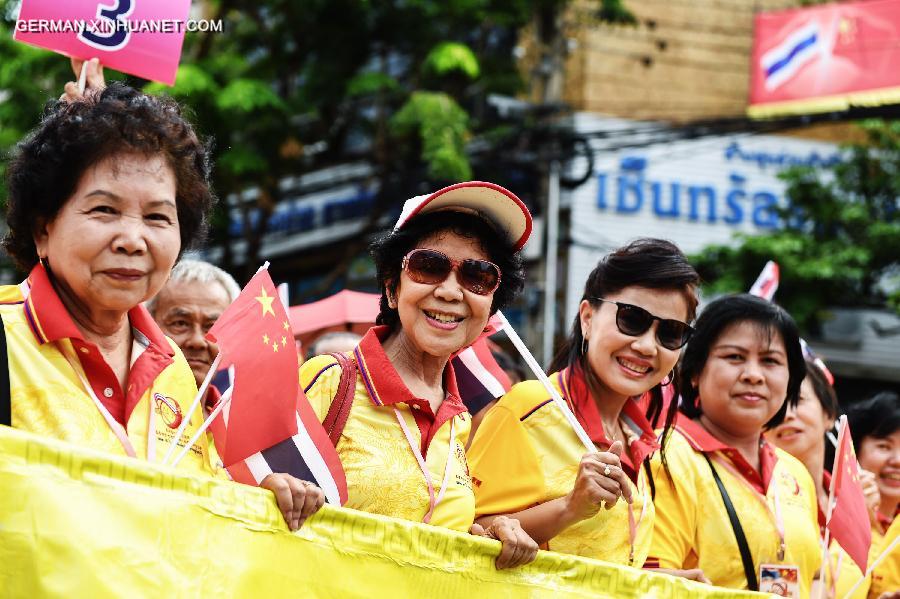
606 470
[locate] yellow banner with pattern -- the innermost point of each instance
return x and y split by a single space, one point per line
78 523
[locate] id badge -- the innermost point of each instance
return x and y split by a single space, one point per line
782 580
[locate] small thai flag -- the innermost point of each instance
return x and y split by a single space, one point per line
767 283
479 378
784 60
308 455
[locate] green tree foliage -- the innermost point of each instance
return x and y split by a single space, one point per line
291 86
840 244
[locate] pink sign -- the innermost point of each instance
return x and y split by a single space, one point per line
140 37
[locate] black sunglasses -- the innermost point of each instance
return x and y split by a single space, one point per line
635 321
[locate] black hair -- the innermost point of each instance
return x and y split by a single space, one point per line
878 416
646 262
49 162
824 391
728 311
389 250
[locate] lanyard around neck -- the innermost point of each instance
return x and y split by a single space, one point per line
433 500
776 516
117 429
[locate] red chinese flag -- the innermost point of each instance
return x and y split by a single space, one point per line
849 522
254 335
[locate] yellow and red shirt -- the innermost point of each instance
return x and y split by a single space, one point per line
885 577
383 473
525 453
692 525
48 355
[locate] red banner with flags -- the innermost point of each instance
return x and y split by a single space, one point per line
825 58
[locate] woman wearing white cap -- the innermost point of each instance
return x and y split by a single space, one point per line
399 424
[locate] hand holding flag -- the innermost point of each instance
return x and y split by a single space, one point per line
267 425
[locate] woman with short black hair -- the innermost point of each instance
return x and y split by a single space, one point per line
875 427
104 197
727 502
392 406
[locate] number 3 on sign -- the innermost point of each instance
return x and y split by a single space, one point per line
111 31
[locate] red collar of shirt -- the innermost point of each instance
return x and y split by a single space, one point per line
386 388
50 321
577 394
701 440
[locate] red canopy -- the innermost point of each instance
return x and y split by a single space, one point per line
344 311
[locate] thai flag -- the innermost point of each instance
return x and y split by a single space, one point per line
784 60
308 455
478 376
810 355
767 283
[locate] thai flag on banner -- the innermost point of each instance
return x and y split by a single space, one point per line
478 376
767 283
784 61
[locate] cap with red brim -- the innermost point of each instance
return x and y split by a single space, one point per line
494 203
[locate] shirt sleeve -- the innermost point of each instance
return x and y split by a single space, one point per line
676 510
319 379
503 464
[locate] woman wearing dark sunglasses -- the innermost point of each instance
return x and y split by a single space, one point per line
525 459
451 261
728 502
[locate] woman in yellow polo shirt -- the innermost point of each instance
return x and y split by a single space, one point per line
451 261
104 195
527 461
727 502
875 426
802 434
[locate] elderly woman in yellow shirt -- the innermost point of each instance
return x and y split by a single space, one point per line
451 261
104 195
727 502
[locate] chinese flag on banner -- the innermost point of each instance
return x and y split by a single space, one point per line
849 521
254 335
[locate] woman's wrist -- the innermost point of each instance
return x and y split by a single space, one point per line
570 513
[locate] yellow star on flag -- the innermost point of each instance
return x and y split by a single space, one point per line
275 347
266 339
265 300
283 341
286 325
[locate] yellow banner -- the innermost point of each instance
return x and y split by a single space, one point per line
77 523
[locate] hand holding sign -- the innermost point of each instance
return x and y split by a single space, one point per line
90 76
140 37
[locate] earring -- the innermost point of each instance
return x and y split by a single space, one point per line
43 264
583 346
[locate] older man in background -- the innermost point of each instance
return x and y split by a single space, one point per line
187 307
